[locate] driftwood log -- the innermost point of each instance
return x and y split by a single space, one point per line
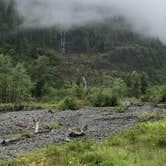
11 140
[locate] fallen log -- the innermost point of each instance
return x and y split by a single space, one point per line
21 126
7 141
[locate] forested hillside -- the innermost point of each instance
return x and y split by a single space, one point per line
54 57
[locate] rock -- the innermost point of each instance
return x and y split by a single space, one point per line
75 134
50 111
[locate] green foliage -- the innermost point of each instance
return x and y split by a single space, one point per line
78 91
52 126
99 97
37 106
156 94
25 134
43 73
7 107
157 115
118 109
22 84
15 84
70 103
20 136
107 50
152 134
119 87
79 146
137 83
126 102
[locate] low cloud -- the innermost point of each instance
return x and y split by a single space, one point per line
144 16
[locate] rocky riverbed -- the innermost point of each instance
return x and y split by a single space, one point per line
99 123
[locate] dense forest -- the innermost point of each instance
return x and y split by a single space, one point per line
51 61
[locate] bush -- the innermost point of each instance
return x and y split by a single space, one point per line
7 107
11 107
78 91
137 83
101 97
151 134
92 158
70 103
119 87
156 94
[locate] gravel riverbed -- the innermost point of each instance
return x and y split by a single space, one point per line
99 123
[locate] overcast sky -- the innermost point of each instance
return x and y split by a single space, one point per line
145 16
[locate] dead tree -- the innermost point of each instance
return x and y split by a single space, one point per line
36 123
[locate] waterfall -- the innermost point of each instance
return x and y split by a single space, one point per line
63 42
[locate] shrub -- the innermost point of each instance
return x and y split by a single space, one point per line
156 94
137 83
11 107
92 158
79 146
151 134
7 107
101 97
70 103
78 91
157 115
119 87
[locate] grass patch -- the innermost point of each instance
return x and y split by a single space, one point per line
36 105
152 134
26 106
25 134
9 107
118 109
53 126
157 115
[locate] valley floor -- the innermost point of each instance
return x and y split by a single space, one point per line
99 123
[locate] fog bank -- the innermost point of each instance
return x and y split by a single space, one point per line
145 16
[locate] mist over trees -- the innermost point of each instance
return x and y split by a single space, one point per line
50 59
